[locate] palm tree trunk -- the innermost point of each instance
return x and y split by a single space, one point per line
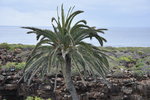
68 80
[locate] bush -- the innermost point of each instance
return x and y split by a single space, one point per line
20 65
140 52
126 59
9 65
139 64
29 98
138 73
141 70
35 98
15 65
5 46
14 46
21 46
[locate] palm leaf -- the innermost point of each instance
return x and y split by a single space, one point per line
66 39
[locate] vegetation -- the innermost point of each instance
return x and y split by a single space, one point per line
126 58
35 98
115 62
64 48
4 46
131 49
138 73
14 65
14 46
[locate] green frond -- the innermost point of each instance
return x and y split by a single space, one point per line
62 16
66 39
70 18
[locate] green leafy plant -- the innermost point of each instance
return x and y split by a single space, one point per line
9 65
36 98
20 65
30 98
64 48
15 65
126 58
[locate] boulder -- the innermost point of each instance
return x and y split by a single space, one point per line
2 78
10 86
126 90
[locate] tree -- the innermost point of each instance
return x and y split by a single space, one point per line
64 48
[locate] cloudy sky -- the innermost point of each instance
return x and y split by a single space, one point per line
101 13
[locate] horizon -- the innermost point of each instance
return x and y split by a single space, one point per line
116 37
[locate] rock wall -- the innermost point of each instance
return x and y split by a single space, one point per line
124 88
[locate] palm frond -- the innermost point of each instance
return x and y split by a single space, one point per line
66 39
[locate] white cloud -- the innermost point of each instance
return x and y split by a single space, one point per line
13 17
119 6
97 12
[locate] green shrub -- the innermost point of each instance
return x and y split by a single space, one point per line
21 46
9 65
20 65
14 46
141 70
140 52
29 98
35 98
126 58
14 65
5 46
139 65
138 73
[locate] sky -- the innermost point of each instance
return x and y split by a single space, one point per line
100 13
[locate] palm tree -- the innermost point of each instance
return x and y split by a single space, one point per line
64 48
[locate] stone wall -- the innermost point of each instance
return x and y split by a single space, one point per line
120 88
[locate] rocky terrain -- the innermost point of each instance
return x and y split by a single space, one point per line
126 87
16 55
128 79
